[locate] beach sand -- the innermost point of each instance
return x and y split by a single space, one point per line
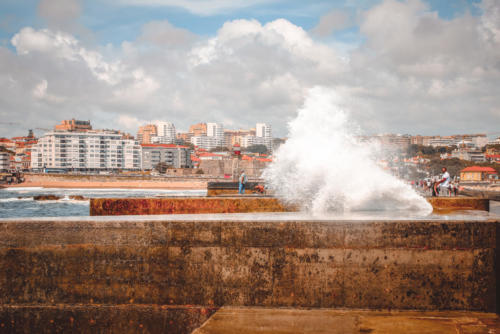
129 184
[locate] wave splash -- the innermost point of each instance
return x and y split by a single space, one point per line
324 168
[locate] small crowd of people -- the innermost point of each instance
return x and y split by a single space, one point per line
443 186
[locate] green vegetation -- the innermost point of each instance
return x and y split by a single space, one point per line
261 149
428 151
219 149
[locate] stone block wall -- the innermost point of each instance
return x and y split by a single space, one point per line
162 273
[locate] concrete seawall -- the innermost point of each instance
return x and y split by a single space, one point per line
169 274
239 204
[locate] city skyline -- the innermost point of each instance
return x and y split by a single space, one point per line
413 66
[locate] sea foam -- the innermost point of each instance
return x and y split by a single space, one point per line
324 168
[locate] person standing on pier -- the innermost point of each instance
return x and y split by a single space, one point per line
242 182
444 183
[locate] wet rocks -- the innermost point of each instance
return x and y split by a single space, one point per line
46 197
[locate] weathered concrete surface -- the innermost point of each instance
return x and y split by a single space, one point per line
448 204
425 265
230 320
156 206
122 319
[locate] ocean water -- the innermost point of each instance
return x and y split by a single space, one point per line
19 202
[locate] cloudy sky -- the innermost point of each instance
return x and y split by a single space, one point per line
410 66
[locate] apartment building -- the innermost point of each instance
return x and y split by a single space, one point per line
86 151
263 133
73 125
4 161
206 142
166 133
172 155
145 133
199 129
214 138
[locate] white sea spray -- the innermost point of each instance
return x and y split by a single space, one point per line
323 167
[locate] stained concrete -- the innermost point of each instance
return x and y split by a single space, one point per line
49 266
239 204
229 320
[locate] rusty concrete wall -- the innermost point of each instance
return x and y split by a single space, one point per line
423 265
150 206
459 203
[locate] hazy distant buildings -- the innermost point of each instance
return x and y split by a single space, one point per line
199 129
145 133
86 151
172 155
468 140
166 133
263 136
214 137
73 125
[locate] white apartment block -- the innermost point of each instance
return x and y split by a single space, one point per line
215 130
4 161
166 133
206 142
86 151
264 131
165 129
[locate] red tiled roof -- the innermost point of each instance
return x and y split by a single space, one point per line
479 169
493 156
5 140
263 160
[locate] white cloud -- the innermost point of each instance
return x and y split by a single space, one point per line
40 92
200 7
163 34
415 72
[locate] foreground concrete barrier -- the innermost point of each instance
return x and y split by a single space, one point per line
170 275
172 205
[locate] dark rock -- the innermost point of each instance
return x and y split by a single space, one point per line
77 197
46 198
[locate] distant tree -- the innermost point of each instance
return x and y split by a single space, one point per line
162 167
261 149
185 143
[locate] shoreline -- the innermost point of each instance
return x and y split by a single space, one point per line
172 185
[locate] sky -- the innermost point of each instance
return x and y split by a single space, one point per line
400 66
